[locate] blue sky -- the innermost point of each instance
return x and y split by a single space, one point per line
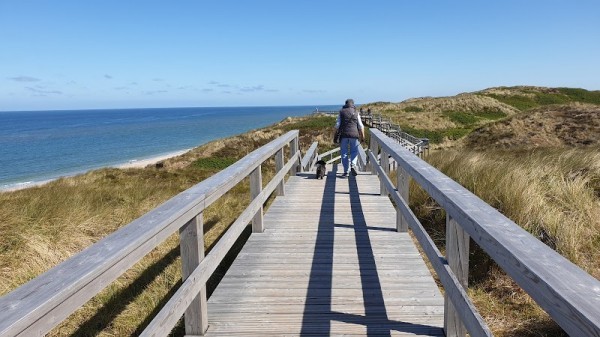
126 54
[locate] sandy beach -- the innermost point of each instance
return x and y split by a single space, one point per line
135 163
150 161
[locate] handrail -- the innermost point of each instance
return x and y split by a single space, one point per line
329 154
362 157
42 303
416 145
473 320
309 159
566 292
167 318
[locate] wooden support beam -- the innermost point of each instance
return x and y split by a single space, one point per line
191 238
385 164
279 162
374 147
255 189
293 150
457 254
402 185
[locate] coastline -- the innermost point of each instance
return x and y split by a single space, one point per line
141 163
133 163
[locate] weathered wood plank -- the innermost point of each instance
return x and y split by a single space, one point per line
166 319
329 255
457 254
191 237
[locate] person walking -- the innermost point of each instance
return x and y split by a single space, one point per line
352 132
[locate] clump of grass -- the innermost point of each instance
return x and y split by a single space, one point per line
526 98
214 163
581 95
491 113
461 118
551 98
412 108
552 193
520 102
438 136
317 122
471 119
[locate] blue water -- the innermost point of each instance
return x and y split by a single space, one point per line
42 145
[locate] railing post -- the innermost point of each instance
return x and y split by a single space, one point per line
457 255
402 184
191 245
293 150
385 165
374 147
255 189
278 166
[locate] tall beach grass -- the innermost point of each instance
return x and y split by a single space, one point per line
552 193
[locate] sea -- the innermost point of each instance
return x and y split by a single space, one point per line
38 146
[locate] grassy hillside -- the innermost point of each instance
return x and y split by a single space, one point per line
570 125
451 118
525 98
46 225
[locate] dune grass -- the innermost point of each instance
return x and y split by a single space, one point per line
553 193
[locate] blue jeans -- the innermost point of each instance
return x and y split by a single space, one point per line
353 144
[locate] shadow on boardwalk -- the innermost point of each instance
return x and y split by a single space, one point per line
318 314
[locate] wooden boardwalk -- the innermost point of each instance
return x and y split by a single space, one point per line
329 262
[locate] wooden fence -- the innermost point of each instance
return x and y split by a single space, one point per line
36 307
418 146
566 292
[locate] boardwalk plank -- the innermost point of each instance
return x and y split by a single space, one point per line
328 263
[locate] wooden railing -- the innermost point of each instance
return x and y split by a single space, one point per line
418 146
566 292
333 155
310 158
36 307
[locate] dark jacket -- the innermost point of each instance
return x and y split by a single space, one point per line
349 122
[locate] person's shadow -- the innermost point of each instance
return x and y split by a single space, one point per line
318 314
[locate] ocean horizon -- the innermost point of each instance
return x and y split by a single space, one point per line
38 146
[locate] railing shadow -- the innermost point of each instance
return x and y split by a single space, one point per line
318 295
119 301
318 314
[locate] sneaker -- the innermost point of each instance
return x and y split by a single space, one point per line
345 175
353 172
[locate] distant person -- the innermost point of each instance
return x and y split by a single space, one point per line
352 132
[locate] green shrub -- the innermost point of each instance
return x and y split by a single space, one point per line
517 101
462 118
581 95
491 113
437 136
456 133
312 123
214 163
548 99
413 108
